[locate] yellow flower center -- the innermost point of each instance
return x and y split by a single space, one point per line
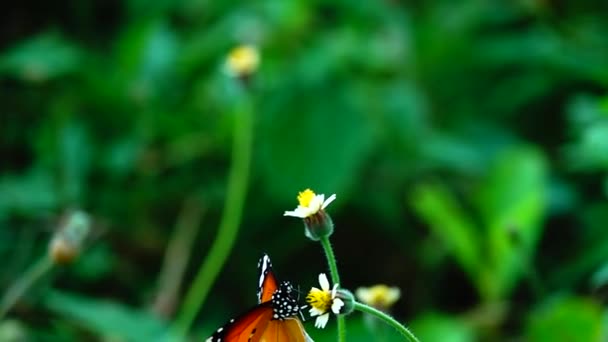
305 197
319 299
379 295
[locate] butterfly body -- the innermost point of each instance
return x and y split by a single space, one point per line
284 305
273 319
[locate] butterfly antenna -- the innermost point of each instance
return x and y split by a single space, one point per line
302 314
303 306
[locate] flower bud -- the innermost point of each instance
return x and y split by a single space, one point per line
349 301
318 226
66 244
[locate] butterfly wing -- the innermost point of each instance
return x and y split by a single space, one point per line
249 327
288 330
261 324
267 283
296 329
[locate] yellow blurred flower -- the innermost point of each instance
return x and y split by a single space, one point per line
379 296
243 60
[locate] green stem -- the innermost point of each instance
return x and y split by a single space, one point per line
341 328
331 260
388 320
35 272
230 221
335 278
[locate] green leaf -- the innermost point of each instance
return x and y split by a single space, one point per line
600 277
28 193
307 147
446 218
512 202
566 319
106 318
403 113
96 262
146 56
76 154
13 331
440 327
360 328
590 123
591 148
41 58
593 251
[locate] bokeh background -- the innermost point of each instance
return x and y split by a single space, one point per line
467 143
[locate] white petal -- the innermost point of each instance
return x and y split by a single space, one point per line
337 305
333 291
314 289
294 213
321 321
324 282
393 295
315 312
328 201
307 211
316 203
364 294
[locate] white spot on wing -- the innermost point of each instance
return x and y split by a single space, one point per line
264 265
264 269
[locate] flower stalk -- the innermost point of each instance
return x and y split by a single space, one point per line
64 247
388 320
238 179
335 278
24 283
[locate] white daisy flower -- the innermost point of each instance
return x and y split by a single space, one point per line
310 204
323 300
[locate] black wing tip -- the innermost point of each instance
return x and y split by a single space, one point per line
264 257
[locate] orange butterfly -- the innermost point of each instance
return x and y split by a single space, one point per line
274 319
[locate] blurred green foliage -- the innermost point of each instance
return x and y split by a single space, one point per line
510 203
467 142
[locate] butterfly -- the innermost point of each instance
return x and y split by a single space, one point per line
273 319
